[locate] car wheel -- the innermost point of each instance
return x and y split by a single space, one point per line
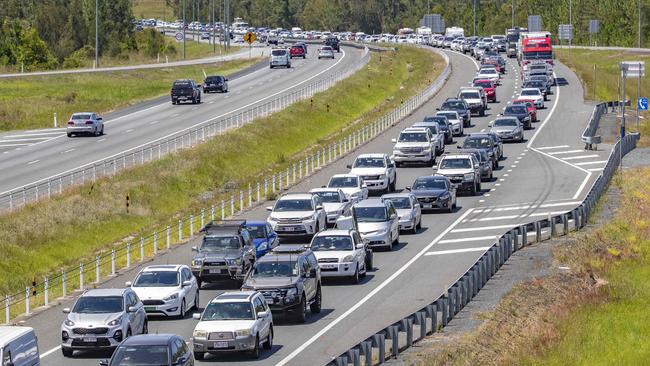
199 283
128 333
301 313
355 276
101 132
392 185
478 187
199 356
315 307
69 134
181 313
414 230
369 260
193 100
96 132
268 344
255 353
145 327
482 113
419 224
473 191
67 352
196 301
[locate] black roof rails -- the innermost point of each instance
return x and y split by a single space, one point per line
223 224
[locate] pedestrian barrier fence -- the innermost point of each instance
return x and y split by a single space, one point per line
394 337
136 251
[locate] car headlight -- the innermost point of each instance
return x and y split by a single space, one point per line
197 262
200 333
469 176
171 297
116 321
347 258
263 246
243 332
306 218
396 151
527 118
233 261
292 292
382 176
271 219
69 323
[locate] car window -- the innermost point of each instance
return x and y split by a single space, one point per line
455 163
177 351
130 299
186 274
6 357
304 265
343 182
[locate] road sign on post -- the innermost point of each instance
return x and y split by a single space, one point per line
250 37
642 104
633 69
565 32
594 27
534 23
179 36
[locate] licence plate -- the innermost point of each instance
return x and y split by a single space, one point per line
220 344
427 205
215 271
149 308
411 156
90 339
328 266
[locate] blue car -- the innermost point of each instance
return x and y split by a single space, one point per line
263 235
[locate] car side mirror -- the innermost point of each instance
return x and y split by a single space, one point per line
127 284
393 216
393 140
345 200
187 283
101 363
262 314
269 208
319 207
459 147
349 166
132 309
391 165
361 245
437 109
408 188
196 316
489 124
100 119
312 272
66 310
195 249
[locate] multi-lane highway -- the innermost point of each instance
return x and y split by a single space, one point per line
35 155
549 172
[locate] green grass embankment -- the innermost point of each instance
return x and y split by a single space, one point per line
40 239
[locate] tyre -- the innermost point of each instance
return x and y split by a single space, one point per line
315 307
145 327
69 134
393 185
482 112
268 344
193 100
128 333
478 188
199 282
67 352
196 301
355 276
181 313
255 353
199 356
473 191
96 132
369 260
300 313
101 133
419 224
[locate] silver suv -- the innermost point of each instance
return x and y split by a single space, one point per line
297 214
463 170
101 319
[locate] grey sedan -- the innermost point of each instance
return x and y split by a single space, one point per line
508 129
326 52
88 123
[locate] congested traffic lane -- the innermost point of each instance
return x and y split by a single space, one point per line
401 281
128 129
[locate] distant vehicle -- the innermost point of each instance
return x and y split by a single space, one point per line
444 127
297 51
325 52
489 87
484 160
334 43
264 238
508 129
290 280
85 123
408 209
215 83
531 108
460 106
297 214
437 135
455 122
205 35
186 90
454 32
414 145
167 290
234 322
539 82
342 253
102 319
377 171
18 346
511 50
280 57
474 99
434 192
482 142
533 94
335 203
151 349
489 73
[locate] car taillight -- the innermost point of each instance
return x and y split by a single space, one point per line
70 123
89 122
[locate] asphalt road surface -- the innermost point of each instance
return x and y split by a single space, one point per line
538 176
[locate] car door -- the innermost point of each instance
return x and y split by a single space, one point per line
139 315
417 210
272 237
192 290
263 323
394 221
308 282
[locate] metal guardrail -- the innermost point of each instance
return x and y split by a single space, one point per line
589 136
48 187
387 343
135 251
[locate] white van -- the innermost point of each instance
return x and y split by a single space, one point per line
280 58
18 346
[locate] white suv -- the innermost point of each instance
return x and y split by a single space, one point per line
342 253
377 171
297 214
415 145
463 170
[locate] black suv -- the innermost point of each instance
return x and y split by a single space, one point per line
226 252
334 43
184 90
215 84
290 280
484 142
521 112
460 106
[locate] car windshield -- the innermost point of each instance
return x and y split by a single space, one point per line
477 143
484 84
213 79
331 243
538 78
219 243
470 95
505 122
343 182
80 116
449 115
453 105
431 127
535 83
530 92
182 84
275 269
516 109
278 52
428 184
146 355
329 196
293 205
455 163
256 231
412 137
400 202
371 214
156 279
228 311
99 305
487 71
370 163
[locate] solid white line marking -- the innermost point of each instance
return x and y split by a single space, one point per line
497 227
454 251
26 139
596 169
592 162
372 293
481 201
129 130
33 162
67 151
525 207
581 157
100 140
509 170
12 145
463 240
37 134
565 152
153 122
509 217
45 354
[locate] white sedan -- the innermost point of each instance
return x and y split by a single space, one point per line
534 95
342 253
489 73
167 290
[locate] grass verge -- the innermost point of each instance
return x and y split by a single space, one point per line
30 102
582 62
595 313
40 239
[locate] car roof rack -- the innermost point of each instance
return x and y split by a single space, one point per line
290 248
218 224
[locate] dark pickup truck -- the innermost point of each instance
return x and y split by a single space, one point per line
186 90
334 43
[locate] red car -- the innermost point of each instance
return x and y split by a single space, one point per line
531 108
296 51
489 87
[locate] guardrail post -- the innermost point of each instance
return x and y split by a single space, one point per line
475 282
241 198
128 255
451 296
8 312
141 249
353 354
202 218
407 327
366 351
26 300
280 182
538 231
576 218
565 224
169 232
393 335
515 233
191 226
223 206
421 321
313 167
64 283
432 312
112 262
524 235
180 230
97 268
46 291
81 276
213 210
551 224
155 243
379 340
250 196
273 183
232 202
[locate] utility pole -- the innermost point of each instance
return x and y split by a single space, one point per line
184 24
96 33
513 14
474 18
214 41
639 44
227 23
198 16
571 21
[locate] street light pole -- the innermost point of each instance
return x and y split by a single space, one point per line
96 33
474 18
639 44
184 24
513 13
